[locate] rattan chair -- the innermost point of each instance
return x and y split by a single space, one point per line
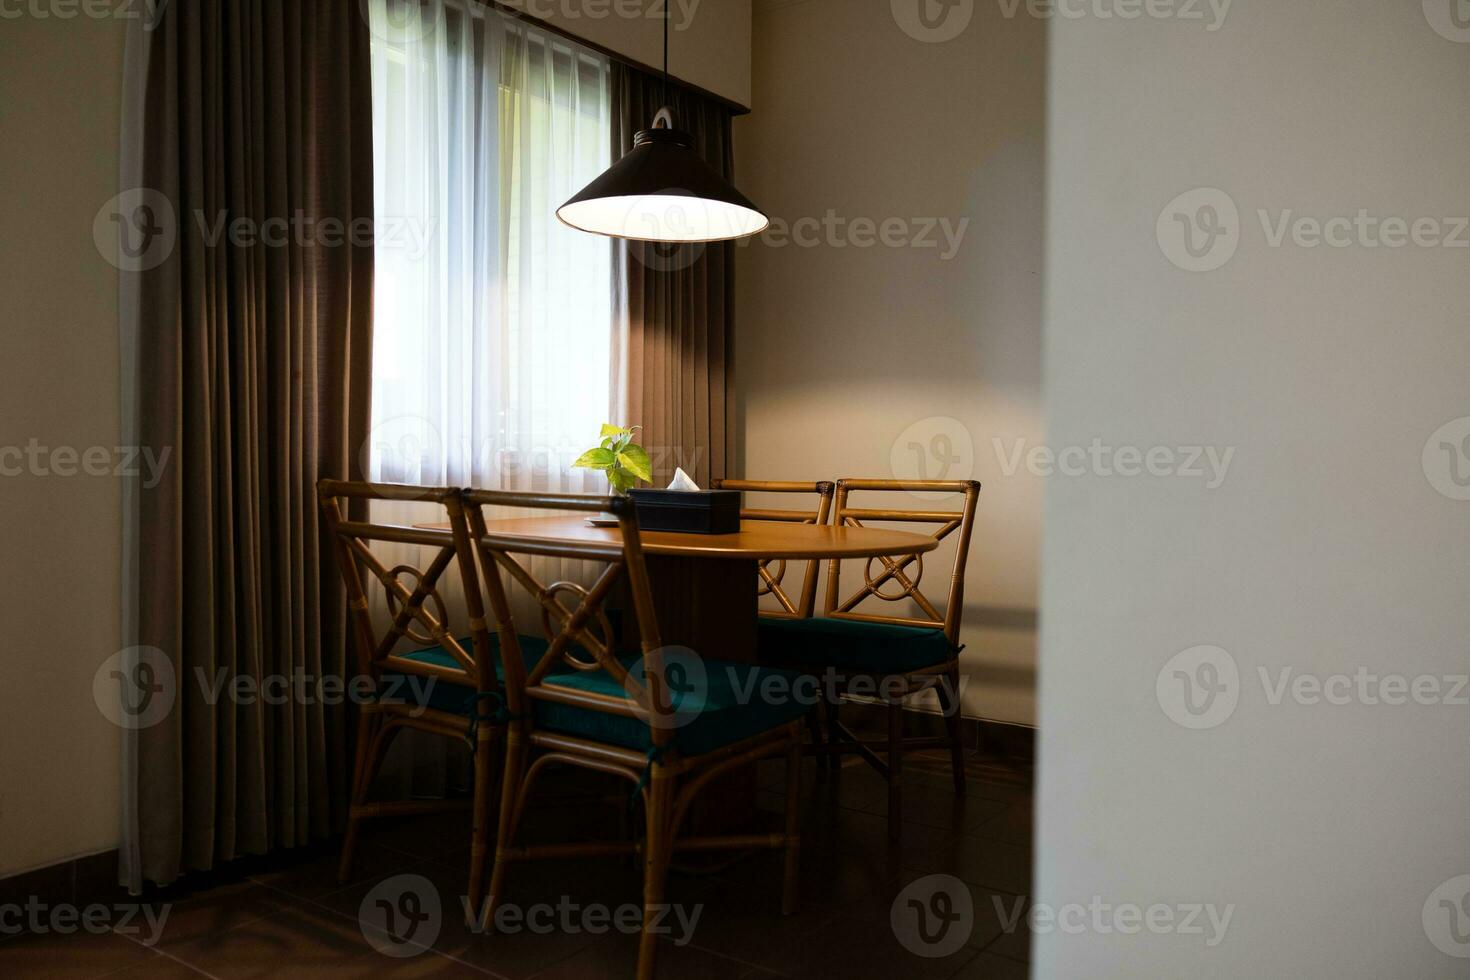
773 572
456 669
899 655
575 699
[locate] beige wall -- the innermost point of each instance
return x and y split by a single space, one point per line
847 355
59 780
1326 550
709 43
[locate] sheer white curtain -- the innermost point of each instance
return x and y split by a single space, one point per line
493 321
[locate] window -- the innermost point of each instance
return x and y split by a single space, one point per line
493 321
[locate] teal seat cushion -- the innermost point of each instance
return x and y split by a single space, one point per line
851 645
716 703
443 695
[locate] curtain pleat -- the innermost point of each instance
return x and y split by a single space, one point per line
674 304
253 365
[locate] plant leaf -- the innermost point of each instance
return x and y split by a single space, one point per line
595 459
613 430
621 480
636 461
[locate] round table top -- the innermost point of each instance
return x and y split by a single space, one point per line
755 540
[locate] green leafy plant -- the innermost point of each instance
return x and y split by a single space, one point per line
620 459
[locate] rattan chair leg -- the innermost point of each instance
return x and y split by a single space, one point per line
657 853
895 769
510 790
792 871
949 702
484 814
359 795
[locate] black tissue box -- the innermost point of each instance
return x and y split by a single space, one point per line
686 512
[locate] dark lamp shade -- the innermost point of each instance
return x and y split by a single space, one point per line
661 191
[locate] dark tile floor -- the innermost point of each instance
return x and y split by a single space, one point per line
865 903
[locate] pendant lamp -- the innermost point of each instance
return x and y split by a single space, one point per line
662 191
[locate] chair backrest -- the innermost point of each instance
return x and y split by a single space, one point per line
897 570
568 625
773 571
358 545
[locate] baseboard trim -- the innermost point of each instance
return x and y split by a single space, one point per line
77 882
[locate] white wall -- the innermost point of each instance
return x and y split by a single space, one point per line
1326 550
844 354
59 780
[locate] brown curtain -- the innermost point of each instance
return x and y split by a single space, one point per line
254 366
674 305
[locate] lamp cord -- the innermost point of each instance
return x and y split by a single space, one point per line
666 51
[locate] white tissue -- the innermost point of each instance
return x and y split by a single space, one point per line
682 482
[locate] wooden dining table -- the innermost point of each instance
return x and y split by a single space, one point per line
705 587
